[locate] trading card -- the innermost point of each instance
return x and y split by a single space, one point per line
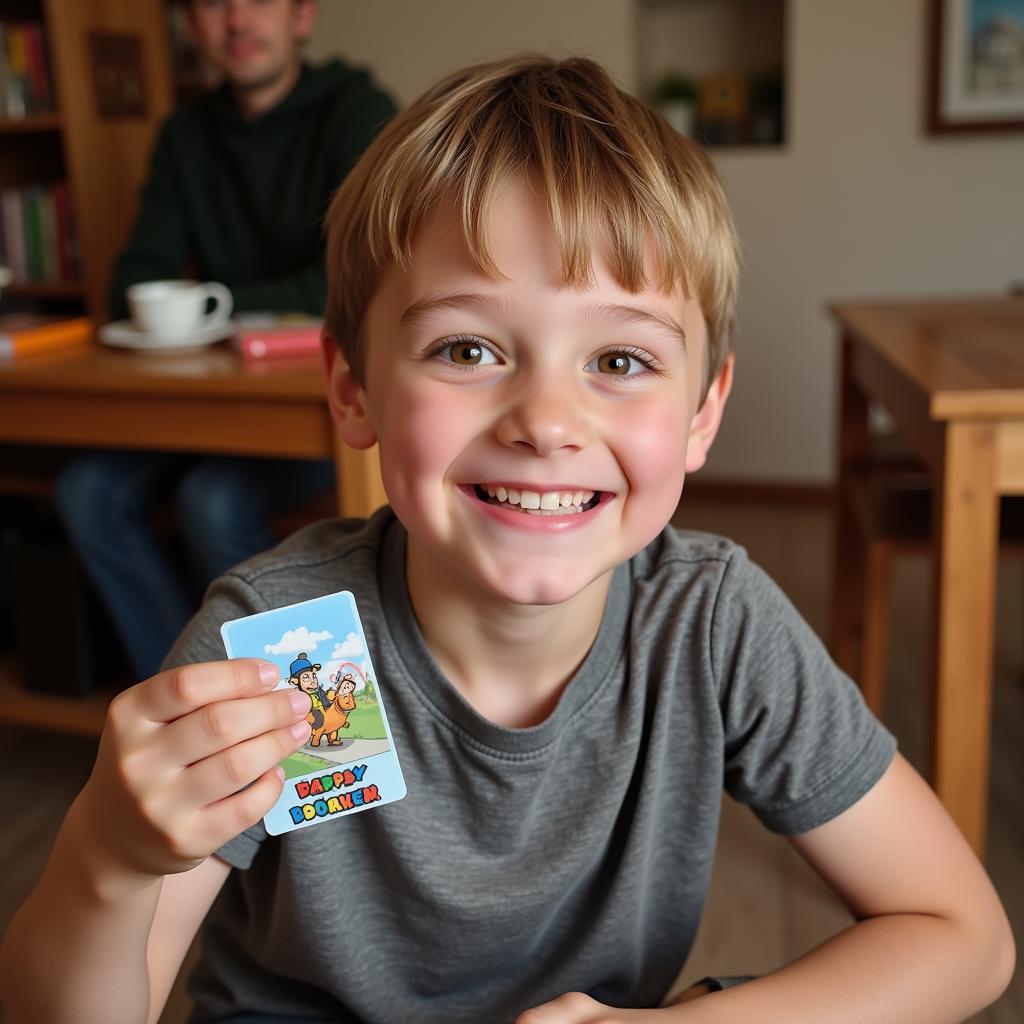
350 763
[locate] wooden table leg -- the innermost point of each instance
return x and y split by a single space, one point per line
360 487
848 563
966 550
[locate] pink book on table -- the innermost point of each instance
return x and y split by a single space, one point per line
279 340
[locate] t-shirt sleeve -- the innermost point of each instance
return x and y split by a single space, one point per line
800 744
229 597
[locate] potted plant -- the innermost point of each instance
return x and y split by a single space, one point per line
675 97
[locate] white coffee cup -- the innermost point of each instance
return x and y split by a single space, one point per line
165 308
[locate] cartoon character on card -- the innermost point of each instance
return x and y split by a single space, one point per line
346 687
335 716
303 674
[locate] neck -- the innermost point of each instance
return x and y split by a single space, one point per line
510 662
254 101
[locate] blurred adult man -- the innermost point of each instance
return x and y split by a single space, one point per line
239 181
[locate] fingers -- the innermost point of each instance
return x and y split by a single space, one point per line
179 691
218 726
572 1008
230 770
224 820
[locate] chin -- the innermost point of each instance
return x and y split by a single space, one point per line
536 589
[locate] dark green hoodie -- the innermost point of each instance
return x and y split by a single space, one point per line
242 201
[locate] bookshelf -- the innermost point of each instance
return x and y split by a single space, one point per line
45 122
81 136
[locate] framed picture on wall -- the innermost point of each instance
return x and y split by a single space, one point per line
976 66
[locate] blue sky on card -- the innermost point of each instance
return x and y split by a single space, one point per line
325 629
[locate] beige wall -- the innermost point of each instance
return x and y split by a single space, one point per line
859 203
410 43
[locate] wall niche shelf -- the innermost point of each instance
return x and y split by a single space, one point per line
716 68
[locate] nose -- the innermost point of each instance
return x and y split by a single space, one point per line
237 14
546 417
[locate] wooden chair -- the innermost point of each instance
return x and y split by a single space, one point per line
892 506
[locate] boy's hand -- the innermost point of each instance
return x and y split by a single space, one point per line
187 760
579 1008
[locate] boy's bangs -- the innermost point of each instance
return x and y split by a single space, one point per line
605 187
616 179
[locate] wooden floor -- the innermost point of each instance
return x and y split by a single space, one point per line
766 907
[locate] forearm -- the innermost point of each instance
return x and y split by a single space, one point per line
893 968
76 950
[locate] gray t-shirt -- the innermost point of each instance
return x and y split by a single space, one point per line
525 863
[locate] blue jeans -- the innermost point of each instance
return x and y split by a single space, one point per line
224 509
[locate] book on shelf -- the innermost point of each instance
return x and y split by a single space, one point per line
24 334
38 241
266 336
26 86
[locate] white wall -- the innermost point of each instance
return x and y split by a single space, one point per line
860 203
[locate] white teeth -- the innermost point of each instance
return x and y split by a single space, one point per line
540 502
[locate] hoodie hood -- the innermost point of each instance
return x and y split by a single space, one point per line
315 86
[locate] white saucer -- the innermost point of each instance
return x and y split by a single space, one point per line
124 334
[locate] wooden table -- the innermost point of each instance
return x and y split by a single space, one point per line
207 401
951 373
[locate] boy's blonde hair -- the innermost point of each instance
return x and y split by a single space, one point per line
613 172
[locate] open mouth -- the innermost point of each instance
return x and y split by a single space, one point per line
538 503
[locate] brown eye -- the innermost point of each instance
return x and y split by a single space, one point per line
466 353
614 362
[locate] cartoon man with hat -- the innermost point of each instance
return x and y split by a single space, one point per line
302 673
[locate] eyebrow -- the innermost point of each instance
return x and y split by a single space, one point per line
638 315
618 312
419 311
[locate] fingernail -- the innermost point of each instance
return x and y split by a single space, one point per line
300 702
300 730
279 772
268 674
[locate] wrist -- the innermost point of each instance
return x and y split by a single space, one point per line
81 853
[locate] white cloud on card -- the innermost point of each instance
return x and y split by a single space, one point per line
295 641
351 647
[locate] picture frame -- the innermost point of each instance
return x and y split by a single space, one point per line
975 66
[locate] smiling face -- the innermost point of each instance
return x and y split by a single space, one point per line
532 436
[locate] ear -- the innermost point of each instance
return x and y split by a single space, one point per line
704 425
346 398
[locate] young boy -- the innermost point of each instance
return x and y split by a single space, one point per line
532 288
